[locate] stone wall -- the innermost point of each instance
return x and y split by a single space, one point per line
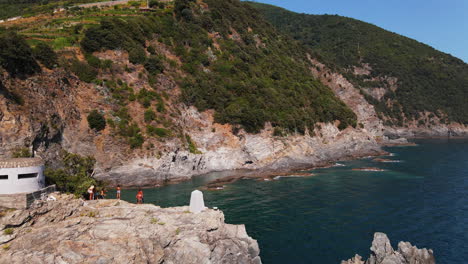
24 200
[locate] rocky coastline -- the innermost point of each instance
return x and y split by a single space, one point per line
383 253
71 230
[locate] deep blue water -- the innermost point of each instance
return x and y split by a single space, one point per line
333 215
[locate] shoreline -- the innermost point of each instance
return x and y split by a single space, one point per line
268 172
232 176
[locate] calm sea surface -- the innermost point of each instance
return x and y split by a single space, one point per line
333 215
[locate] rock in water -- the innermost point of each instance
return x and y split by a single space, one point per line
197 204
110 231
383 253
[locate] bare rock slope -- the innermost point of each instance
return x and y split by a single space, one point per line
111 231
383 253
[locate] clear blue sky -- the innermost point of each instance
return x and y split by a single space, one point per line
442 24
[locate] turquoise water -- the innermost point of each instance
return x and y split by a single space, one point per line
333 215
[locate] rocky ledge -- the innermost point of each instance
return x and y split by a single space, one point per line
383 253
70 230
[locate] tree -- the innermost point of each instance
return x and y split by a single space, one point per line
75 176
45 54
96 121
16 55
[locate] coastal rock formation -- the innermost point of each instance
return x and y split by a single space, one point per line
383 253
110 231
221 150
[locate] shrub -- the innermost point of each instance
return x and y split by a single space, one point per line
93 61
154 65
278 132
137 55
84 72
192 147
21 153
96 121
8 231
45 54
136 141
75 176
151 50
160 107
132 132
145 97
150 115
157 131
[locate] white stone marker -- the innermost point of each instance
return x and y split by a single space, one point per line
196 202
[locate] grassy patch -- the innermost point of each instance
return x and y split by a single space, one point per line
8 231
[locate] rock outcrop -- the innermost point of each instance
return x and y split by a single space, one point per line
110 231
383 253
222 150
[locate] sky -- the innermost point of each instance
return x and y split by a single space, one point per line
442 24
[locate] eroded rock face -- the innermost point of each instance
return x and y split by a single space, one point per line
383 253
111 231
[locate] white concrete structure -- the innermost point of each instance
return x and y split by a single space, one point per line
21 175
197 204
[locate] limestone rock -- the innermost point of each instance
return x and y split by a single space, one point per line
383 253
110 231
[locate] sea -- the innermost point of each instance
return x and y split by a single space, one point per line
420 197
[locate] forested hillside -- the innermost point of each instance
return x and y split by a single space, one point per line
231 60
427 79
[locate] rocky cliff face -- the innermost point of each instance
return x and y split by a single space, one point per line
110 231
222 150
368 117
383 253
56 103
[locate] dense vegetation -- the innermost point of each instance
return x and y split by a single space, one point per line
75 176
16 56
256 75
427 79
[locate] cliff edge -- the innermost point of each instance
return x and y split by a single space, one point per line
110 231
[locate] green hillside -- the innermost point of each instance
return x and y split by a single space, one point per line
13 8
232 61
428 80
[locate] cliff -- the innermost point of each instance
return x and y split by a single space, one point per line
239 95
110 231
176 109
383 253
411 84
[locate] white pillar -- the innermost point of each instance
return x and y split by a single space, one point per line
196 202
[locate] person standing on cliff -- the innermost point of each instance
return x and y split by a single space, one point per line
91 192
139 196
103 193
118 192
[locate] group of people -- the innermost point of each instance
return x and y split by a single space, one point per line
94 194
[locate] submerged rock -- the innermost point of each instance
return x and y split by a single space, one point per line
110 231
383 253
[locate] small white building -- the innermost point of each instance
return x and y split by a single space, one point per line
21 175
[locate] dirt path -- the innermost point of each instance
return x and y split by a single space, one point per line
108 3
